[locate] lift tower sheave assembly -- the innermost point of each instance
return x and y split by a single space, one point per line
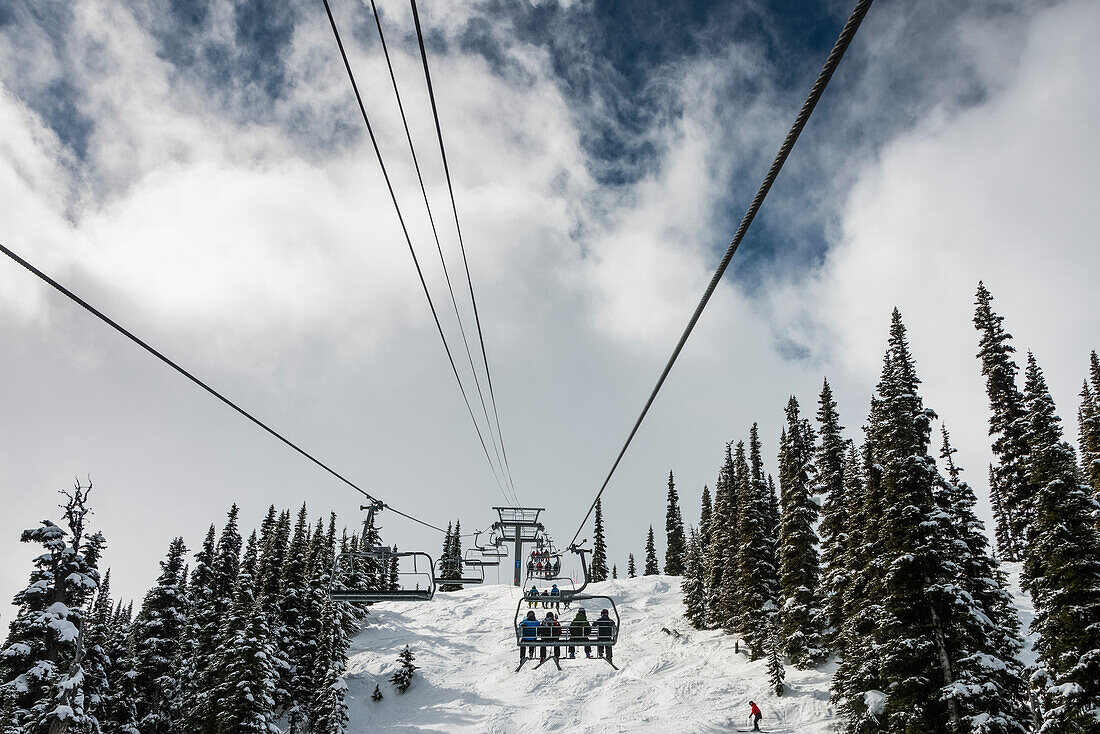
520 525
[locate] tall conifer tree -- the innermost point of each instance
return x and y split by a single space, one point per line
41 671
835 513
757 575
156 639
693 585
243 670
1006 424
674 532
1062 571
652 567
801 622
598 567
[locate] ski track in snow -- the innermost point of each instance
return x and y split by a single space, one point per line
465 646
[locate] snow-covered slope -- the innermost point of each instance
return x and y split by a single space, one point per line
465 645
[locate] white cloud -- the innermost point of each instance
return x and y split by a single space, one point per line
1003 191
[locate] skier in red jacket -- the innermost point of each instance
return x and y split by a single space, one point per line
754 712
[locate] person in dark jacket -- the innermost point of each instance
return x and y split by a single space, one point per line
555 594
532 597
605 631
549 628
579 629
529 629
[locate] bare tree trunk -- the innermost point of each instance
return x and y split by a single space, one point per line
945 665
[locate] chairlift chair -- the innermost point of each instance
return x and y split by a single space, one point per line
567 597
439 579
366 595
382 554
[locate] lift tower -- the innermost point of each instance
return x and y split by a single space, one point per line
520 525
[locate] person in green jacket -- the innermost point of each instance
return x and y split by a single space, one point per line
579 628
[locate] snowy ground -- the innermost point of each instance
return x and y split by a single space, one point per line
465 645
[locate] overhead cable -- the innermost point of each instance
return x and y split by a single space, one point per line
458 227
408 241
831 63
168 361
439 247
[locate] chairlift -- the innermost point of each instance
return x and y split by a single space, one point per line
543 636
439 571
382 554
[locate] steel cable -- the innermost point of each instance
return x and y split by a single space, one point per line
408 240
438 246
831 63
168 361
461 243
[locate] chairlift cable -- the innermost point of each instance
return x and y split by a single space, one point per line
174 365
438 246
408 241
831 63
461 242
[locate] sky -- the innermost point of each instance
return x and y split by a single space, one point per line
199 171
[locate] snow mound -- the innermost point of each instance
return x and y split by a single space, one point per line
465 646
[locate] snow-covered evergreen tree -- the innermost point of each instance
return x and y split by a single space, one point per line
857 681
402 677
652 568
694 583
990 686
598 568
704 520
631 567
723 541
1062 571
835 514
614 571
674 532
1007 425
293 603
801 619
447 562
377 695
119 705
198 644
939 655
243 672
1088 420
756 579
776 674
97 663
156 638
41 670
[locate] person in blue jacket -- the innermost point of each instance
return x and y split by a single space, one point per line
555 592
529 629
534 592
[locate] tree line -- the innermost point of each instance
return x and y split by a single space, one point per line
243 638
871 552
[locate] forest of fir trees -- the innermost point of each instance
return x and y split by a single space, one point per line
870 552
240 637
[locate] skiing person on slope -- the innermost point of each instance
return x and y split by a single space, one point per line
754 712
